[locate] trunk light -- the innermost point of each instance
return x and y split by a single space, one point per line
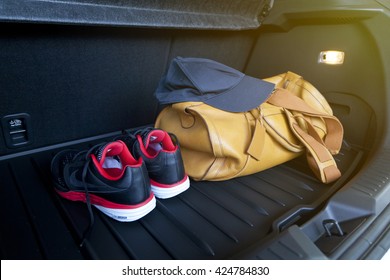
331 57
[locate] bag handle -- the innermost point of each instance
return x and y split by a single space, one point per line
319 152
320 160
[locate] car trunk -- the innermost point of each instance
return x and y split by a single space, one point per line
76 73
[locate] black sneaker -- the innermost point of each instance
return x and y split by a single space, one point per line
108 177
163 160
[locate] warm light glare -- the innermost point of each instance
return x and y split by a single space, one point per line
331 57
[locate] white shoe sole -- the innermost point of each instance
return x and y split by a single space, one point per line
128 215
170 191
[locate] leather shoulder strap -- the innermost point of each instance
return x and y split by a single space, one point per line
319 151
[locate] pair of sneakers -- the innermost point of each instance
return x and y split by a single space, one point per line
122 178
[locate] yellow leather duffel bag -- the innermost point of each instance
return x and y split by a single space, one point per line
220 145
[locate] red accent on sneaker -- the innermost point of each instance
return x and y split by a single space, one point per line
80 196
166 185
117 148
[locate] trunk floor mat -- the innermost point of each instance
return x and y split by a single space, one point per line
211 220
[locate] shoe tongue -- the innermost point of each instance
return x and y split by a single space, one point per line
154 137
100 151
154 140
111 149
107 159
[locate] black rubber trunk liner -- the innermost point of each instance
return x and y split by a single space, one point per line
211 220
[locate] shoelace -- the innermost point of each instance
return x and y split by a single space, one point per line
131 137
126 137
88 231
88 160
